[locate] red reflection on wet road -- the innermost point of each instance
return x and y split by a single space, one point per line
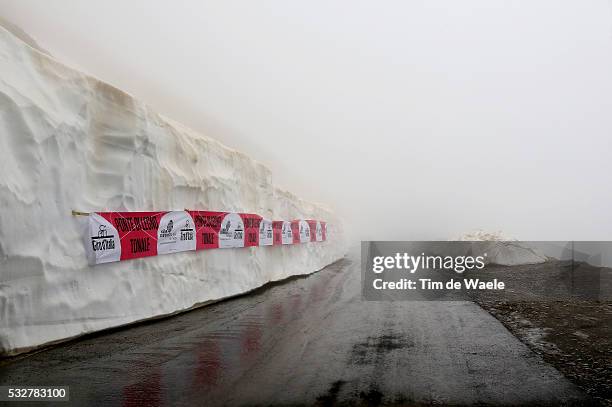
208 365
251 340
276 313
296 303
147 392
317 292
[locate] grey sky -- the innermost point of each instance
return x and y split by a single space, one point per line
413 119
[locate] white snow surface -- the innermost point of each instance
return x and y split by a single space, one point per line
70 141
503 250
481 235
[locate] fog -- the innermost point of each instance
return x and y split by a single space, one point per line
412 119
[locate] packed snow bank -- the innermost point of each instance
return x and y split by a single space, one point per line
503 250
69 141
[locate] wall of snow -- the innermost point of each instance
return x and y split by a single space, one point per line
69 141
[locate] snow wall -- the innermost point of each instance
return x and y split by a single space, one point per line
69 141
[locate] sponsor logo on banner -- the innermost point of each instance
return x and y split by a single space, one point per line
137 232
251 229
103 244
266 237
232 231
301 231
313 225
304 231
286 233
176 233
323 231
318 232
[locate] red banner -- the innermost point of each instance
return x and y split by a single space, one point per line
277 232
295 231
312 224
251 228
207 225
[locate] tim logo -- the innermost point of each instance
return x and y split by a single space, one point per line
186 232
103 241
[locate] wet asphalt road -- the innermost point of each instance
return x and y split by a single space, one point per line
308 341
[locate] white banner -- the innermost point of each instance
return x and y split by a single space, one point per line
176 233
319 232
102 241
265 233
232 231
304 232
287 234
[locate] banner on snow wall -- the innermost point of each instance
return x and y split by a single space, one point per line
226 229
301 231
266 234
115 236
316 230
282 232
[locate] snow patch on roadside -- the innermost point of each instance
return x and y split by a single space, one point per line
502 249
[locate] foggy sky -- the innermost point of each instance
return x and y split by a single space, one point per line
413 119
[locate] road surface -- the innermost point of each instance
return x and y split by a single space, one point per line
311 340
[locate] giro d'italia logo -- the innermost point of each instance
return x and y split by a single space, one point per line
103 241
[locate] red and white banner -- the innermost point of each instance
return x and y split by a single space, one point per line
316 230
115 236
122 235
301 231
282 232
225 229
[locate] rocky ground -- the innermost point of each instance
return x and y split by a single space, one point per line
574 334
575 337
